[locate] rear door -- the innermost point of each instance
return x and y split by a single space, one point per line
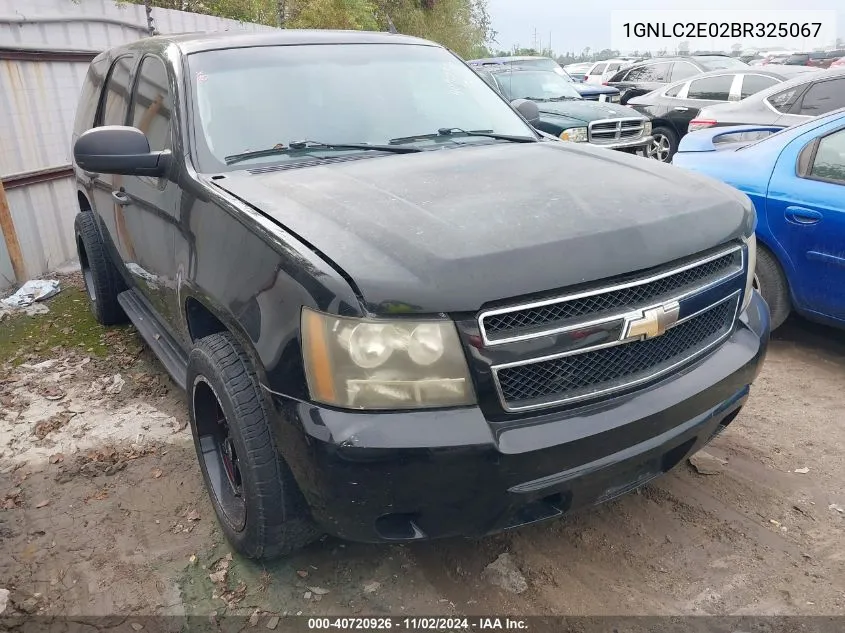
806 214
594 76
700 93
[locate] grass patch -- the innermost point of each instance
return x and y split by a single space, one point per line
68 325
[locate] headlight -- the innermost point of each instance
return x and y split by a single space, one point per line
751 254
574 134
384 364
647 128
615 99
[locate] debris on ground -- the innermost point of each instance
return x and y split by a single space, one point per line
302 573
32 291
801 471
221 569
371 587
707 464
273 622
253 619
116 385
504 573
319 591
4 600
837 507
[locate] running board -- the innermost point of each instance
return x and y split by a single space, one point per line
164 347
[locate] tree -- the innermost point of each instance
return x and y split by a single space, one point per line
358 15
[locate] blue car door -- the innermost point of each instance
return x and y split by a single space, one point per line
806 215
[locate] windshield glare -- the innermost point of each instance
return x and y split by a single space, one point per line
539 84
544 63
255 98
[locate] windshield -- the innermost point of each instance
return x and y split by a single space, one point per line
541 62
255 98
719 63
537 85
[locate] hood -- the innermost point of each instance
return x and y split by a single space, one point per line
451 230
587 111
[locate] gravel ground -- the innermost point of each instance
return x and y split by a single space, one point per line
102 509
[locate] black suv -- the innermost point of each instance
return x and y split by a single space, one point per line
397 311
654 73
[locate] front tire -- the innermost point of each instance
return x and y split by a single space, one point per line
663 145
771 283
102 280
258 504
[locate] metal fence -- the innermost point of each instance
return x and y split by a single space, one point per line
45 48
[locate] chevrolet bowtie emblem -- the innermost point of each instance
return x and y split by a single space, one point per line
652 322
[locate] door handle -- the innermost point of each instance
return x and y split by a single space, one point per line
802 216
680 108
120 198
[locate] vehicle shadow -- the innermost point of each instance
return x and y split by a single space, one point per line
811 337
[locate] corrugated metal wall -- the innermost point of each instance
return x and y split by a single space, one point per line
38 100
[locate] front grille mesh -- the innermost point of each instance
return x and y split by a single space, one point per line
530 320
578 376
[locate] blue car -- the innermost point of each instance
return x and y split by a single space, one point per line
796 179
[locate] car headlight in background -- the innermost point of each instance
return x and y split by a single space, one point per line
384 364
647 128
751 250
575 134
615 98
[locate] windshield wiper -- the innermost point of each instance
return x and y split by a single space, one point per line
565 98
452 131
300 146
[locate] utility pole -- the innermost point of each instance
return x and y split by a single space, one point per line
148 8
281 11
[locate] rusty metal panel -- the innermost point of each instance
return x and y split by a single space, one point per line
38 99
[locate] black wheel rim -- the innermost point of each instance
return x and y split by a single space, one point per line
218 454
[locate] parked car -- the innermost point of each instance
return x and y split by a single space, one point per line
796 179
403 317
598 72
590 92
672 108
785 104
829 58
654 73
578 71
838 63
806 59
776 59
567 115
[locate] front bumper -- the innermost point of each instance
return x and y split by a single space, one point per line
637 144
406 476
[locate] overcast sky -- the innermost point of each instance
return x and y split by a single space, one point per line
575 24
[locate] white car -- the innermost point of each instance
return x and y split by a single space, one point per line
599 72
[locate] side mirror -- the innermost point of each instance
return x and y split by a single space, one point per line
118 149
528 109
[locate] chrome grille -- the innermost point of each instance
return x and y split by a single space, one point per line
541 318
615 130
632 348
584 375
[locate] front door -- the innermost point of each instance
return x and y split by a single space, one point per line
806 214
150 205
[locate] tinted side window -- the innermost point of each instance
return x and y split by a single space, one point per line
117 93
752 84
783 101
635 74
673 92
152 106
824 97
830 158
711 88
657 72
598 69
682 70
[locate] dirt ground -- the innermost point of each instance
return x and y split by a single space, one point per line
102 510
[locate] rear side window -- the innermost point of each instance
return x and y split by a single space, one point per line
823 97
657 72
682 70
783 101
598 69
752 84
152 106
116 99
829 163
711 88
674 90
